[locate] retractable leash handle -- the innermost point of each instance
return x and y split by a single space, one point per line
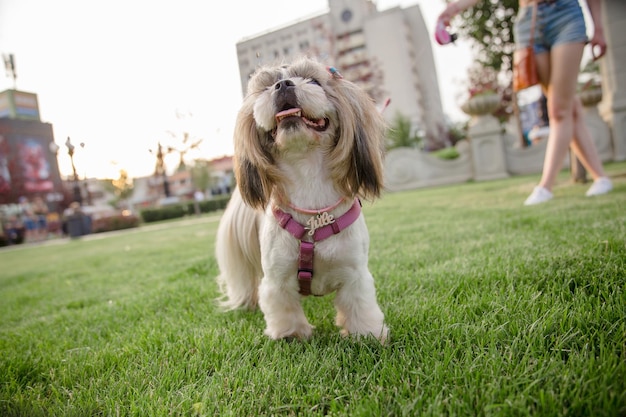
442 36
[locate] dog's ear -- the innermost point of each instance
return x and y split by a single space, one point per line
254 166
366 169
249 183
358 155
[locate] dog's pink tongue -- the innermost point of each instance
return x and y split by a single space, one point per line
286 113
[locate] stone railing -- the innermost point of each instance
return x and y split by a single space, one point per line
491 151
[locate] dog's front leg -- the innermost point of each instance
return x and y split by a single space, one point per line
357 309
282 309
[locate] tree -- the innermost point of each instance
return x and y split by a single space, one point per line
188 142
490 26
123 187
201 175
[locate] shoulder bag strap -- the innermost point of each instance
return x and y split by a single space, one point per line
533 21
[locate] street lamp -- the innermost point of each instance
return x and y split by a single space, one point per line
70 151
54 148
55 196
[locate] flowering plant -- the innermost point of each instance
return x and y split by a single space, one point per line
483 83
482 80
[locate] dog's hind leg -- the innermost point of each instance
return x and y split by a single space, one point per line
358 312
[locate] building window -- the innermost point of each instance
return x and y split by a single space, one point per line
346 15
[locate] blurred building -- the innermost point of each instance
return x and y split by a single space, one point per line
388 53
28 162
150 191
223 176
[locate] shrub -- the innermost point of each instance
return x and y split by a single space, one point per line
214 204
447 153
175 211
117 222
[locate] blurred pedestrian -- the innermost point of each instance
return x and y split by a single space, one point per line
40 212
559 39
27 218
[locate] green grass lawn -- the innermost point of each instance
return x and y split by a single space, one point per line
495 309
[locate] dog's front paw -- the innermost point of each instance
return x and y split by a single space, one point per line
364 325
302 331
380 333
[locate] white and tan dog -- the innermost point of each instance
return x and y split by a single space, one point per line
308 145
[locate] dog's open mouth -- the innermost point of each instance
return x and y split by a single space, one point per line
317 124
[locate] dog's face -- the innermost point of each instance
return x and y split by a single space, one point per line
290 111
294 109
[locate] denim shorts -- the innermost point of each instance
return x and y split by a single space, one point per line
558 22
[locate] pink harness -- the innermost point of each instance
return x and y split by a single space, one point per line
305 259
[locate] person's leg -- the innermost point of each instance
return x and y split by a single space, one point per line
585 149
558 72
29 229
561 93
541 194
583 145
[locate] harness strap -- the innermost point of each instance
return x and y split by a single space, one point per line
305 259
305 267
289 224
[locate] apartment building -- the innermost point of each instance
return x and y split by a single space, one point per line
388 53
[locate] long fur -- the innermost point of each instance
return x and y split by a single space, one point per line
238 251
278 163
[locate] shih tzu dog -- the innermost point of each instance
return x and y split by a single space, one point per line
308 146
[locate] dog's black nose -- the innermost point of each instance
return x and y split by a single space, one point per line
285 95
284 85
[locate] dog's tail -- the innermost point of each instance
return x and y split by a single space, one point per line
239 255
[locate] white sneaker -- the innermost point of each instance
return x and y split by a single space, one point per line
538 196
600 186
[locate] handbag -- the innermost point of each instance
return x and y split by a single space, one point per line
524 65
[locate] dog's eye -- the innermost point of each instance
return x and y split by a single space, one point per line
314 81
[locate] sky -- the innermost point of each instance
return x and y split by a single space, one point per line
120 76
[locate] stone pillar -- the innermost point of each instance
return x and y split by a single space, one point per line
578 171
485 137
599 129
613 69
